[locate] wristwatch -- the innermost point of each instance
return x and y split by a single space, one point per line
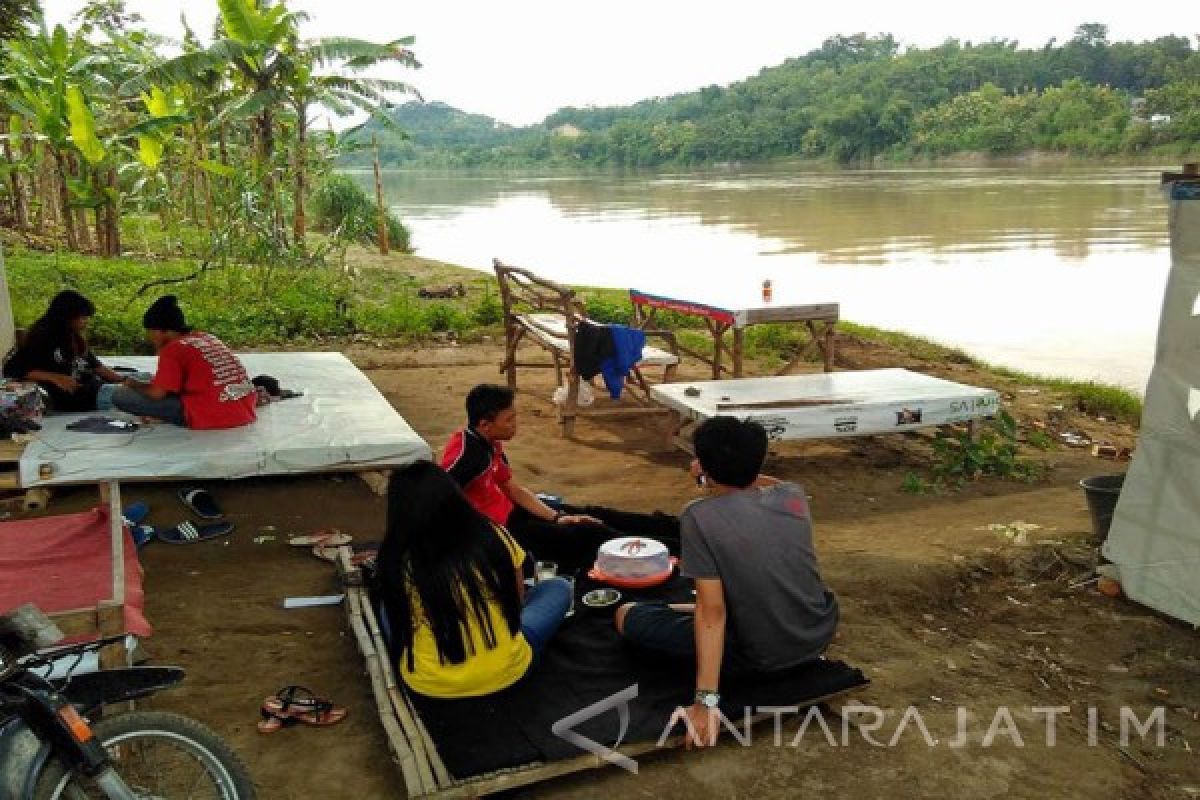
708 698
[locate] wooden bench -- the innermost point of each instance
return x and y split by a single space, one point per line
421 766
548 314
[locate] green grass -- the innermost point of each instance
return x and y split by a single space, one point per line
258 307
248 307
1098 399
1086 396
914 346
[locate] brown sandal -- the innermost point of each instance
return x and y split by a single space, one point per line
293 705
357 559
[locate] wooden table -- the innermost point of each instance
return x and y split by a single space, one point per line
733 308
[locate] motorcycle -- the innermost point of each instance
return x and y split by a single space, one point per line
57 741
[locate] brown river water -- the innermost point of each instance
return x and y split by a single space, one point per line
1052 270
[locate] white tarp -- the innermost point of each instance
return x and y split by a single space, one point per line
830 404
1155 534
342 422
7 329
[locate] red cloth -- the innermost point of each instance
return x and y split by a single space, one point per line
64 563
209 379
480 469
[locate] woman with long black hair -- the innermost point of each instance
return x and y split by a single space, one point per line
55 354
450 580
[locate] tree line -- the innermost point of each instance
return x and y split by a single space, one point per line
102 116
857 98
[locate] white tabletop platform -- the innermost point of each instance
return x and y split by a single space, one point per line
341 423
833 404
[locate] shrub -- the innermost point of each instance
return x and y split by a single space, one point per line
444 318
488 311
609 311
340 205
994 451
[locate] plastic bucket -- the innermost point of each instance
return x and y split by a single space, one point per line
1102 493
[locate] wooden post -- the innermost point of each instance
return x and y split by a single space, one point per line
674 425
830 344
110 616
377 481
384 245
718 333
110 621
36 500
111 492
570 407
739 342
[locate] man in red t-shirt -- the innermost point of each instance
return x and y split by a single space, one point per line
200 383
475 458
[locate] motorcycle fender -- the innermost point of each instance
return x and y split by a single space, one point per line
108 687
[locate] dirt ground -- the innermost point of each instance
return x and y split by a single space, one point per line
939 610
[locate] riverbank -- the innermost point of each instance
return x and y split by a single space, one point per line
979 599
374 299
976 596
1158 156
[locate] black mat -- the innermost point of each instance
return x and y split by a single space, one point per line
586 663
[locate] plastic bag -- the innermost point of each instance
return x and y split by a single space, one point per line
586 395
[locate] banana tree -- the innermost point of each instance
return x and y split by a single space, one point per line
341 92
40 72
64 88
275 75
253 52
15 15
15 166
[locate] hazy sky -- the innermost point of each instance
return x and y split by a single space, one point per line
521 59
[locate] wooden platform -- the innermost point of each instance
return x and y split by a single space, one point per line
12 495
10 454
424 773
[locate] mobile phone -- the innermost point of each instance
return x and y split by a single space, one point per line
702 481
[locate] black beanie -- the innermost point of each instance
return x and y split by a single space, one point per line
165 315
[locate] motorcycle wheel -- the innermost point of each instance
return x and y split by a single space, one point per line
159 755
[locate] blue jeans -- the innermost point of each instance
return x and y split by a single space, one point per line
546 606
105 393
122 398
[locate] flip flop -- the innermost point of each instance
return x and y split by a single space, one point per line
188 532
330 554
200 503
293 705
326 537
142 535
136 513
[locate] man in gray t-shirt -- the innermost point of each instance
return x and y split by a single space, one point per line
758 544
761 605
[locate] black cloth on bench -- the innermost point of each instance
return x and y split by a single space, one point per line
585 663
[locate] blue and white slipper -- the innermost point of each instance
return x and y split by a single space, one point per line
188 532
142 534
200 502
135 513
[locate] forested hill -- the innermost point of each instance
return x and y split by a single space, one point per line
857 97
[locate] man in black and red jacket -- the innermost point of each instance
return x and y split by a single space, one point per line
570 536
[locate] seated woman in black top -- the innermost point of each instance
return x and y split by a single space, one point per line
55 354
